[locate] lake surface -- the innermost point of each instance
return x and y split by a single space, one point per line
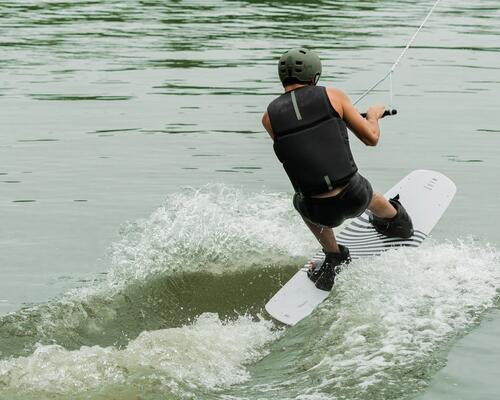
146 220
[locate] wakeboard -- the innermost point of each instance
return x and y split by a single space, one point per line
425 195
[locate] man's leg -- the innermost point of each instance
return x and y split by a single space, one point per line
381 207
323 275
325 236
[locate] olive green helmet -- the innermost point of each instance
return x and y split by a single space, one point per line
301 64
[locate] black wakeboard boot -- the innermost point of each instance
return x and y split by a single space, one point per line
398 226
324 275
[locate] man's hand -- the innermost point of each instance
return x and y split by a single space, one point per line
375 112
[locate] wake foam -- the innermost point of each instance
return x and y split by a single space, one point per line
379 335
215 228
209 353
389 316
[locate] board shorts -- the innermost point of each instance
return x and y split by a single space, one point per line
333 211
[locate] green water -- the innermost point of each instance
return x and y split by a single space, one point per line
146 221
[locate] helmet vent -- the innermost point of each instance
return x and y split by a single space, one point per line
302 51
282 63
298 69
298 62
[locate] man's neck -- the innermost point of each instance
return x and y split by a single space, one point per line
294 86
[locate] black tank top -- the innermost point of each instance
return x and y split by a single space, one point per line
311 140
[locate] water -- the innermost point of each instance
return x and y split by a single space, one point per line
145 220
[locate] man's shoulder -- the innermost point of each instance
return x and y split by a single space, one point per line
336 92
337 99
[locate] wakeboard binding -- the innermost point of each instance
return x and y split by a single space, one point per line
324 275
399 226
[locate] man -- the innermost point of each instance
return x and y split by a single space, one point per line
308 125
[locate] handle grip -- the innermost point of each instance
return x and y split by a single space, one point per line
386 113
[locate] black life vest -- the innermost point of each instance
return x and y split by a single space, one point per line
311 141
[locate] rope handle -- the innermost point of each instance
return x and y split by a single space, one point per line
385 114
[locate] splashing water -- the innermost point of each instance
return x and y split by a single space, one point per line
209 353
382 331
213 230
379 335
216 228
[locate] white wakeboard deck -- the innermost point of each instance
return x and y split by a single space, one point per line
425 194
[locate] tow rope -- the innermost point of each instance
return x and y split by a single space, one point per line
396 63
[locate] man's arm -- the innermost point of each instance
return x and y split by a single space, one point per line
267 124
366 129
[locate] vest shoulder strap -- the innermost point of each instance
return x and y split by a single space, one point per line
300 109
